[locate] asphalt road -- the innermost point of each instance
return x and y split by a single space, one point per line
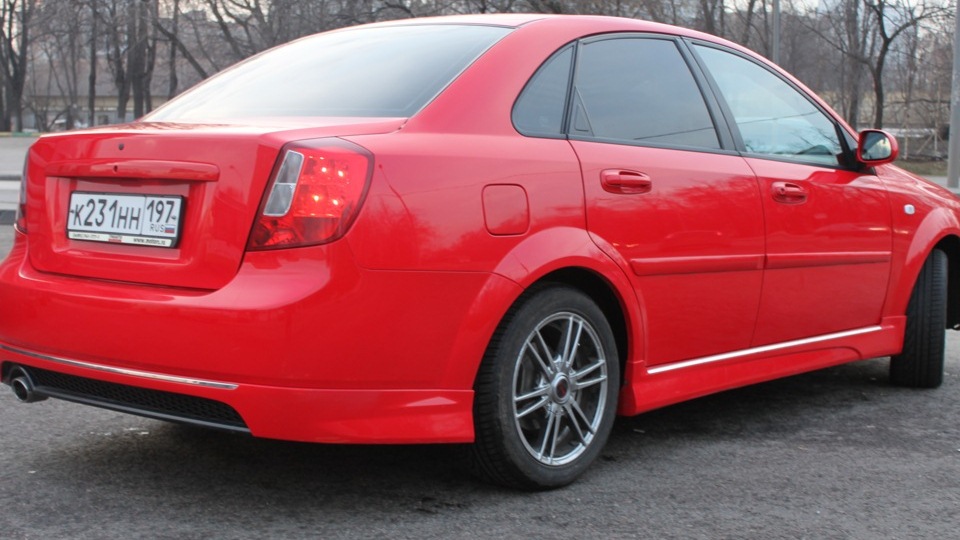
832 454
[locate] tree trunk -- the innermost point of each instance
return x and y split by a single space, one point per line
19 79
878 93
92 79
136 56
172 62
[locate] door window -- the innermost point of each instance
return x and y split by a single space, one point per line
640 90
774 118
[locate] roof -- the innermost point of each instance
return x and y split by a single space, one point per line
597 23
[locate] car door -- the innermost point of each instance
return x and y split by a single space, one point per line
828 221
666 196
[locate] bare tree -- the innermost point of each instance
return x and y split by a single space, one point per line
59 34
865 32
172 59
170 29
92 77
141 52
114 19
748 26
841 48
893 18
15 40
131 35
710 17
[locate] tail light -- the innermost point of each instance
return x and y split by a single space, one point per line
21 222
314 195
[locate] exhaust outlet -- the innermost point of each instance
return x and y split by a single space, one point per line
22 386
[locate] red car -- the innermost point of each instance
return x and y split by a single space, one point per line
498 230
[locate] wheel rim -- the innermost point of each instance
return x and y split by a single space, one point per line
560 389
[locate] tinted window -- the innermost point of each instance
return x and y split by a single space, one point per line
391 71
539 109
772 116
640 90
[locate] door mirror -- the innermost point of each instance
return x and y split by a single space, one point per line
876 147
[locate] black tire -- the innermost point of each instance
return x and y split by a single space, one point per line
541 422
920 364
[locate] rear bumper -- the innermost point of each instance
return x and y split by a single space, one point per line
302 344
300 414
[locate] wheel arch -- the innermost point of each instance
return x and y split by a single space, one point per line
951 246
605 296
565 256
940 229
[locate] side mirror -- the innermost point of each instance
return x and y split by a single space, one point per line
876 147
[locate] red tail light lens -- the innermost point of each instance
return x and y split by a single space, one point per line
21 222
314 195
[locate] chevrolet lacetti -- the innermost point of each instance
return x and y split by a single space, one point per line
497 230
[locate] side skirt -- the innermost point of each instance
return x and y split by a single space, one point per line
658 386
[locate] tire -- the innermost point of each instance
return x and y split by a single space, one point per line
920 364
542 415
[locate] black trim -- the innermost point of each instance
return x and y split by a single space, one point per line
157 404
727 113
642 144
571 88
721 121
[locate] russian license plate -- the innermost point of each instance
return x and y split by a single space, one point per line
146 220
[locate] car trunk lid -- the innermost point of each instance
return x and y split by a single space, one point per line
160 204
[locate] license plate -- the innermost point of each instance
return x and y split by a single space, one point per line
146 220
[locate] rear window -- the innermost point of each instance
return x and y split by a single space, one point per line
365 72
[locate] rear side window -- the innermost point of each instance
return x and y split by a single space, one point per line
773 117
368 72
640 90
539 109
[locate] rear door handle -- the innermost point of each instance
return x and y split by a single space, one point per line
789 193
625 182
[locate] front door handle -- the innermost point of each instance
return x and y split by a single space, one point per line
789 193
625 182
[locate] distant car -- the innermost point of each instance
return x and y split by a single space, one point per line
498 230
